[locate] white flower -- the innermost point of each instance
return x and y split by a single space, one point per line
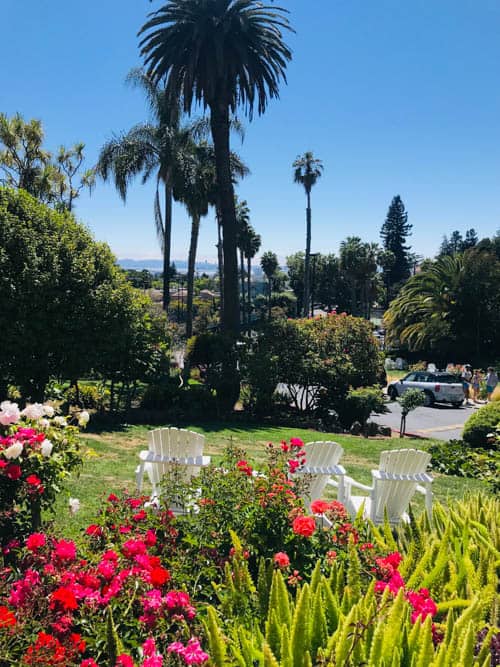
74 505
9 413
83 418
155 503
43 423
49 410
60 421
34 411
46 448
13 451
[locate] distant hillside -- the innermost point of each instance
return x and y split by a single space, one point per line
156 265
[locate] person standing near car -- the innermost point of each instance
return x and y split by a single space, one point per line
476 385
491 382
466 380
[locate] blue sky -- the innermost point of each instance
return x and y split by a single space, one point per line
396 97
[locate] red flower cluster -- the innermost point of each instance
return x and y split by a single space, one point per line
244 467
7 617
304 525
421 602
281 560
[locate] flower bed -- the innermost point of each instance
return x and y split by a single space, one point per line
248 577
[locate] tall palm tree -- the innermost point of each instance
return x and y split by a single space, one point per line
151 149
269 264
194 186
221 54
243 223
251 248
307 170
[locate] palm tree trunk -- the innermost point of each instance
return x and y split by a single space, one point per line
167 243
270 287
219 122
308 256
242 280
195 230
220 260
249 289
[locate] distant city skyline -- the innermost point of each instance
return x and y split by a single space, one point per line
395 98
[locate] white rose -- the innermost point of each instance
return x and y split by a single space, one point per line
83 418
46 448
9 413
43 423
49 410
34 411
60 421
74 505
13 451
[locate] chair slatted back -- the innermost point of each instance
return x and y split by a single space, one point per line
174 443
395 496
320 453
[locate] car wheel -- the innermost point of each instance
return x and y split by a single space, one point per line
392 393
428 399
457 404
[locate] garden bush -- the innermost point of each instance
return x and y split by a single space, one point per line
457 458
38 451
87 396
359 404
482 422
316 357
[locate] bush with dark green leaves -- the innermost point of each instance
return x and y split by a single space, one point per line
359 404
481 423
86 396
457 458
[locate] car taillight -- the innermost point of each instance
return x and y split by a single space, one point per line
437 387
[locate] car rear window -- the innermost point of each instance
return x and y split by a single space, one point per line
447 379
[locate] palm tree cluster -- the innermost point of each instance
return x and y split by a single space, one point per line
221 55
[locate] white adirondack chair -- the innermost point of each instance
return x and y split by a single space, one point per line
322 463
168 447
401 473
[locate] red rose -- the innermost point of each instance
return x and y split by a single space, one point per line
7 618
35 541
94 530
140 516
159 576
13 471
304 525
33 480
65 597
244 467
319 507
281 559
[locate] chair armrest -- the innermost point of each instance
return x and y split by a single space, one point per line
381 476
151 457
349 481
320 470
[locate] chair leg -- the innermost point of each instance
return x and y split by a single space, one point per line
139 476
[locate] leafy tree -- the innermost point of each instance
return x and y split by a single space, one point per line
139 279
222 55
269 264
63 301
456 243
152 149
358 261
307 170
331 290
395 230
27 165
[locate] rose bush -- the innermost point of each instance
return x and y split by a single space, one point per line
38 450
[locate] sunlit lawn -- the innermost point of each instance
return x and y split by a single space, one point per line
113 458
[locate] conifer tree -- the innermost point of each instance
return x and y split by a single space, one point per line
393 234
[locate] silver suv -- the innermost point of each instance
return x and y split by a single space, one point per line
437 387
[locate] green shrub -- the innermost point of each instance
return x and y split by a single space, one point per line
359 404
457 458
484 421
87 396
161 395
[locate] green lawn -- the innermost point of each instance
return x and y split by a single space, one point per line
112 459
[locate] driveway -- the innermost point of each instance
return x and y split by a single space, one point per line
442 422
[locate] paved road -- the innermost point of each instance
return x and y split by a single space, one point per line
440 421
